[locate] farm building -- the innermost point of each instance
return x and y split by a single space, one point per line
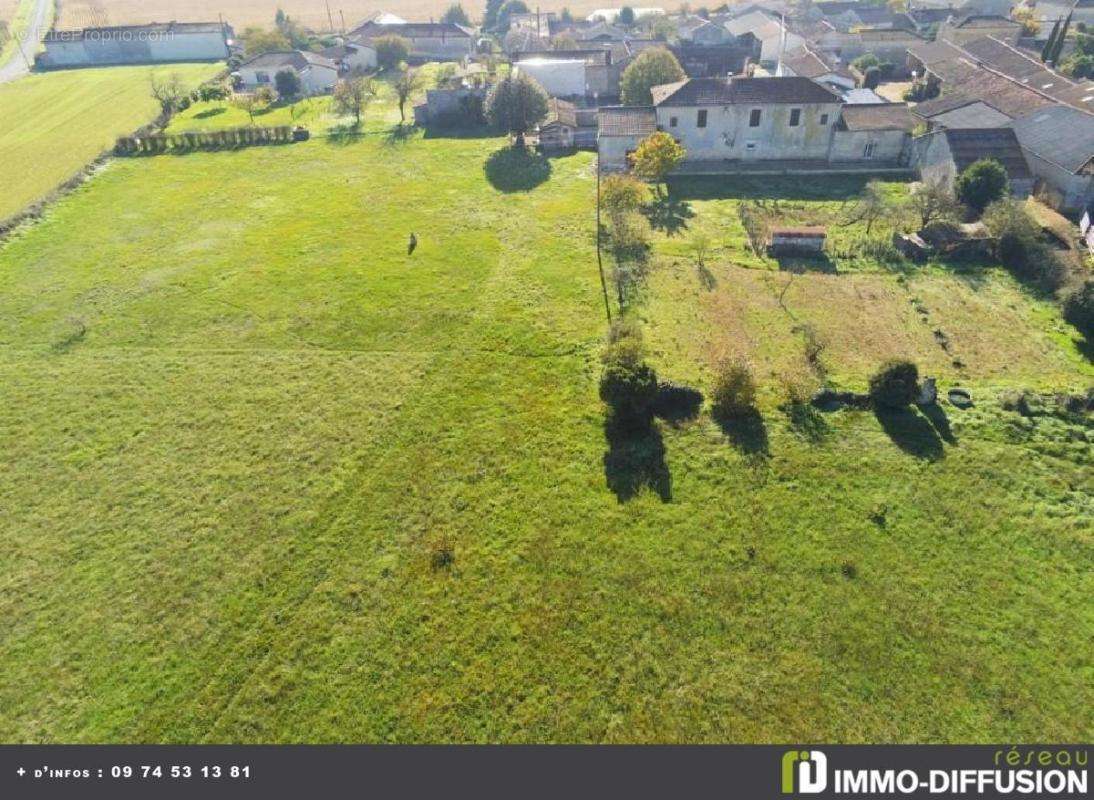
569 127
136 44
429 41
803 241
873 132
945 154
621 128
350 57
317 74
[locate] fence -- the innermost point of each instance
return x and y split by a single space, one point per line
231 138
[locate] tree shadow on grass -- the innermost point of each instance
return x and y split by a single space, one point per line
911 432
748 433
677 404
799 265
635 460
399 134
514 169
669 214
344 134
936 415
210 112
706 278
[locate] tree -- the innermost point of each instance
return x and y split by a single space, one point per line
291 30
932 200
734 393
871 78
490 20
1079 309
287 83
257 41
1058 45
455 15
657 155
981 184
247 102
168 93
516 104
506 12
1018 236
662 29
352 96
653 67
1078 66
620 194
896 385
1028 20
406 84
626 16
1046 51
871 206
565 15
391 51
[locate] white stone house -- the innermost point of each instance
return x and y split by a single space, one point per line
317 74
807 63
880 132
749 119
360 57
774 36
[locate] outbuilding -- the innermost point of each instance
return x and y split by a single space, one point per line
800 241
317 74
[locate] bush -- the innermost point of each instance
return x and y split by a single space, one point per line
630 236
871 78
895 385
981 184
288 83
391 51
734 392
628 384
1079 309
622 193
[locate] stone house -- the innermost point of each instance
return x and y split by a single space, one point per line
963 29
1058 143
945 154
749 118
873 132
774 36
620 130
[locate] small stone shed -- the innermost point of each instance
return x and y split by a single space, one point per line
799 241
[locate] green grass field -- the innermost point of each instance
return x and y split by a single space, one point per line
269 479
56 123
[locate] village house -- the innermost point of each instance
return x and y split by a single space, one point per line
749 118
944 154
590 72
620 130
774 36
888 44
963 29
808 63
429 41
1058 143
136 44
569 127
351 57
880 132
846 16
317 74
696 30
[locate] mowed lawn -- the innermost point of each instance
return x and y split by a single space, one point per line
269 479
57 122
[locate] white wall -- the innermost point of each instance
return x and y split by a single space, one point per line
558 78
728 133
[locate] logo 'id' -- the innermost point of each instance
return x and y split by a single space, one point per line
804 772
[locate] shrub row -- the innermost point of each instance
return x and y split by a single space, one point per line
202 140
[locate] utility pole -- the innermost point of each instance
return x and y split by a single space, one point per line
343 16
599 260
330 17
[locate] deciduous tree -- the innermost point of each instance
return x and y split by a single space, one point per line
517 104
657 155
405 85
391 51
352 96
981 184
653 67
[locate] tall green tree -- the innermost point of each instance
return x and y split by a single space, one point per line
517 104
455 15
490 19
506 12
391 51
653 67
1046 51
1058 46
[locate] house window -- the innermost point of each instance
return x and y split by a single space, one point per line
824 119
673 122
262 77
795 117
701 122
868 152
754 118
750 146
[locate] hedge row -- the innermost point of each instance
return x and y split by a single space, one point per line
203 140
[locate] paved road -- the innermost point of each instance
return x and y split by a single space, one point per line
16 67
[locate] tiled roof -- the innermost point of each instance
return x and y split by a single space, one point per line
627 121
973 115
298 59
883 117
806 63
983 21
720 91
151 29
1062 135
1001 144
413 30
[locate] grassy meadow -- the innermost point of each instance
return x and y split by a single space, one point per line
57 122
271 479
